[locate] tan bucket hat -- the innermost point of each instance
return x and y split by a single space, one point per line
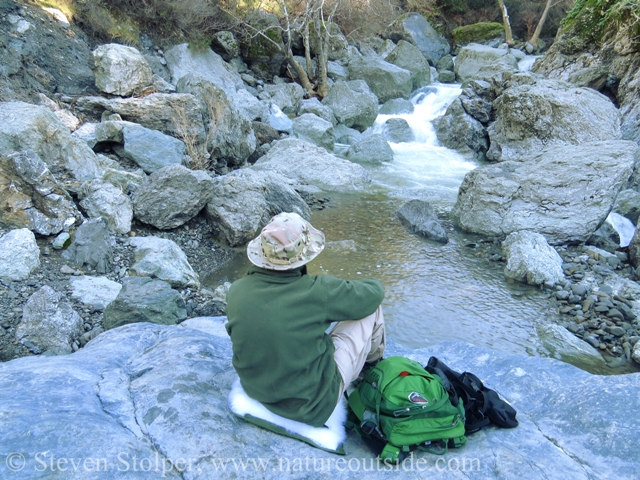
287 242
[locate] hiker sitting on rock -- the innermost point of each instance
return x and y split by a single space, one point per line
278 316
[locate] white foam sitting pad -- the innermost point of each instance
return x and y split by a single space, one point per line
329 438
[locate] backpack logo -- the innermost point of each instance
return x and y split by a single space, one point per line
415 397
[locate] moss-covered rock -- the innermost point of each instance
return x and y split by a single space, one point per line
264 56
477 33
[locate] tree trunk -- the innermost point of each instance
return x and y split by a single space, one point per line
302 75
507 25
322 34
536 33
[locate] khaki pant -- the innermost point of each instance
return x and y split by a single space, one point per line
357 342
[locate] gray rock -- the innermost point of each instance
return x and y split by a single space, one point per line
499 199
31 197
125 180
532 117
229 134
396 106
346 135
96 292
30 127
605 237
174 114
474 57
336 71
91 246
225 44
446 63
121 70
420 217
245 200
278 120
370 149
397 130
287 96
385 79
143 299
181 61
460 131
353 104
19 254
160 415
415 29
530 259
557 342
477 99
49 321
445 76
308 164
159 68
249 106
61 239
636 352
591 77
102 199
162 259
150 149
261 55
313 129
409 57
172 196
313 105
87 133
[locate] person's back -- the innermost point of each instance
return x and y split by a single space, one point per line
278 315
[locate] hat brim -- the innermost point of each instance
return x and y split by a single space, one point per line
311 251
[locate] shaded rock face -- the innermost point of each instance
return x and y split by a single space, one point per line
530 259
230 137
385 79
287 96
263 58
532 117
472 58
245 200
48 321
19 254
91 247
409 57
420 218
41 55
370 149
305 163
120 70
415 29
143 299
162 259
225 44
173 114
566 204
353 104
29 127
141 408
32 197
172 196
460 131
207 64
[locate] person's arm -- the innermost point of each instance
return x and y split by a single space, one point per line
351 299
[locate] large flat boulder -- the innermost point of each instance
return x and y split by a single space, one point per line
119 397
353 104
408 56
532 117
415 29
564 192
309 164
472 58
120 69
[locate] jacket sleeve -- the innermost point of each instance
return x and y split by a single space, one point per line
351 299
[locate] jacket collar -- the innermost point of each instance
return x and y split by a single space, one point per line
279 275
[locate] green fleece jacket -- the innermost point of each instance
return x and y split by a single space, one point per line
277 323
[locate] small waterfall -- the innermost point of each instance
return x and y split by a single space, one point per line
527 62
623 226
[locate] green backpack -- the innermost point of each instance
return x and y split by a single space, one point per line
400 406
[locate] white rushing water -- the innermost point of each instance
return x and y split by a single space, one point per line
623 226
527 62
424 167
